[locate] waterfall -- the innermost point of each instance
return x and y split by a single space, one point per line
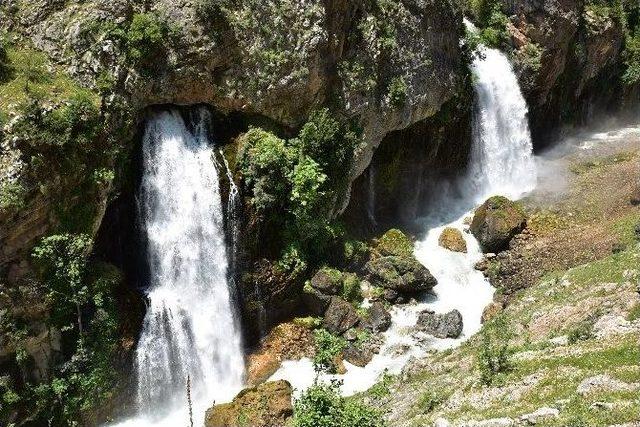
501 163
189 330
501 160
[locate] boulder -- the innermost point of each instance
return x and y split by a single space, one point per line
267 404
452 239
327 281
403 275
379 318
340 316
496 222
448 325
394 243
491 311
315 301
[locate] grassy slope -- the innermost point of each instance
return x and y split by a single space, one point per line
562 303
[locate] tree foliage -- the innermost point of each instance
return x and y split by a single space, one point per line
321 405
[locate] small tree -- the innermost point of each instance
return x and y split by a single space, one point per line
495 353
62 259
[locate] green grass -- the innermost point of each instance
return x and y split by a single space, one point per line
607 270
32 71
590 165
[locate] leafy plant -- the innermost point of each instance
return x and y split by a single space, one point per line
321 405
328 347
145 40
494 357
631 56
5 64
581 332
430 400
351 289
397 91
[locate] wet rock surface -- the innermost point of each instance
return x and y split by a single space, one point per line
448 325
401 275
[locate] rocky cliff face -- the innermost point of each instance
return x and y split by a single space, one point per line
579 55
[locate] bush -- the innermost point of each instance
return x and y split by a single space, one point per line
397 91
78 294
581 332
266 163
308 201
528 60
12 196
296 183
330 144
351 290
328 347
631 56
145 40
430 400
495 353
322 406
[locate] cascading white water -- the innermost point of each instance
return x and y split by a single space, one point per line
502 160
189 328
501 163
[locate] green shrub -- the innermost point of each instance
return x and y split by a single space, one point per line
295 184
581 332
328 347
397 91
266 163
308 201
145 40
12 196
84 310
430 400
330 144
528 61
351 289
322 406
354 251
631 56
494 356
634 313
382 388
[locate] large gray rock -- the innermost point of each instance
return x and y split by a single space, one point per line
402 275
379 318
340 316
496 222
448 325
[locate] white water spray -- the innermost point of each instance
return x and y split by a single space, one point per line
189 328
501 163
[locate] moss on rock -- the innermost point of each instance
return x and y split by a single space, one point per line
496 222
394 243
451 239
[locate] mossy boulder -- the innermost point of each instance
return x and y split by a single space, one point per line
328 281
451 239
496 222
267 404
402 276
340 316
394 243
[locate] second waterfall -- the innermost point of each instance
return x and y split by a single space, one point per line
189 329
